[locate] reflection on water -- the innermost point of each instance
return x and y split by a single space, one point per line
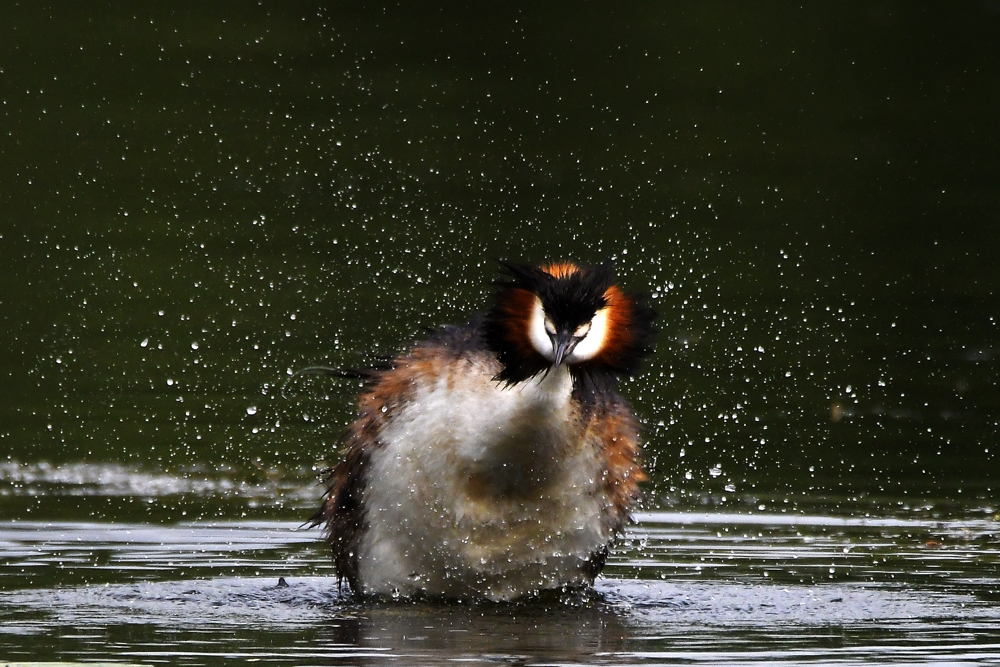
685 587
114 479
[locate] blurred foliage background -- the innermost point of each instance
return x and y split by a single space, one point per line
197 200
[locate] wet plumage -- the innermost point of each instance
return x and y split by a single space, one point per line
495 459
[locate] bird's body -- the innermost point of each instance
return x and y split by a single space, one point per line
478 467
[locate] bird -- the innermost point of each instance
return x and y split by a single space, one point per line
496 460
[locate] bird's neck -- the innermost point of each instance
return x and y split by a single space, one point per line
522 443
550 389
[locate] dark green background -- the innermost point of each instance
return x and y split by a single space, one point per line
197 198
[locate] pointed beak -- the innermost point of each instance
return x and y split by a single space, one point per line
562 345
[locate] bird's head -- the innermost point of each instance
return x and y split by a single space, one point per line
564 314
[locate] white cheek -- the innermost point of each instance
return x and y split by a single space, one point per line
593 341
536 330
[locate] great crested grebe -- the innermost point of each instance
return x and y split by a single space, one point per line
495 459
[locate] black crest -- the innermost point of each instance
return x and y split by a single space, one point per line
570 295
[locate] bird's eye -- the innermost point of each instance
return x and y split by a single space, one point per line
582 330
550 328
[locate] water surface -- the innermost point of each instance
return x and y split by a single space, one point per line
684 588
